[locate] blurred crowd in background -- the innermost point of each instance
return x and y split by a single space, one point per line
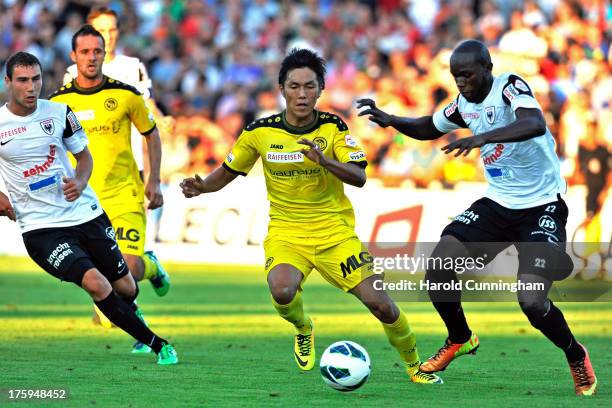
214 66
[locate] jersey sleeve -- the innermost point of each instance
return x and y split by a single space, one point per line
517 94
144 81
74 136
347 149
449 118
244 154
140 115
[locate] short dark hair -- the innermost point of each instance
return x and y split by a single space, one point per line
100 11
87 29
477 49
302 58
20 59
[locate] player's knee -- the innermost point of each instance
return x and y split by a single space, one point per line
282 292
535 310
126 287
383 311
96 284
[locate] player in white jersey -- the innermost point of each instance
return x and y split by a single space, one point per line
129 70
523 204
64 227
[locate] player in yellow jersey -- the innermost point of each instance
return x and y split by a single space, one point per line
107 108
307 157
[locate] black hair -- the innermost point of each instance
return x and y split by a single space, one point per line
477 49
87 29
303 58
20 59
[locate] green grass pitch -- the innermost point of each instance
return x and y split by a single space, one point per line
235 351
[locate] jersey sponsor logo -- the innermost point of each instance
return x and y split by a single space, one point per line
510 92
494 172
47 126
321 142
276 146
467 217
492 158
75 125
41 168
8 135
85 115
352 263
521 86
357 155
230 157
350 141
470 115
127 235
110 104
60 253
547 223
280 157
450 109
316 171
490 114
47 184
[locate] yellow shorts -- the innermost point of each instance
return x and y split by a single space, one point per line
130 232
344 264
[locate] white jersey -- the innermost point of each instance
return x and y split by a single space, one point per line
520 174
33 160
131 71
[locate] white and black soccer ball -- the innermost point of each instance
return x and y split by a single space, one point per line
345 365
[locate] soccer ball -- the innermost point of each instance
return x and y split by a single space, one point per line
345 366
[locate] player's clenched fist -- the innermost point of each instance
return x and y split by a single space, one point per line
6 209
73 187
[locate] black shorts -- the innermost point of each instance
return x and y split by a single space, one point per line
488 222
68 252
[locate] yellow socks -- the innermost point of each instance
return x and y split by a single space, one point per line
293 312
404 340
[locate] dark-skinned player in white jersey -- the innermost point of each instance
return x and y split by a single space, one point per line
523 203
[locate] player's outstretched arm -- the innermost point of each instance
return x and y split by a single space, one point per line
6 209
73 187
349 173
215 181
417 128
529 123
153 187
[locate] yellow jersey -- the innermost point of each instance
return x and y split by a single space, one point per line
106 113
306 200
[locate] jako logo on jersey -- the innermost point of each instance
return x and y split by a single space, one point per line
47 126
59 254
278 157
352 264
276 146
547 223
490 114
470 115
4 136
357 155
451 108
130 235
499 151
38 169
